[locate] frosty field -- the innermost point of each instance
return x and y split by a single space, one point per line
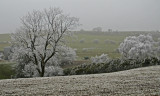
107 42
141 81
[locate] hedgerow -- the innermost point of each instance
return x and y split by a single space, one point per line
113 65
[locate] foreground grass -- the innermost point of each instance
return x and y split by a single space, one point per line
141 81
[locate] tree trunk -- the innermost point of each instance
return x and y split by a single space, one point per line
43 70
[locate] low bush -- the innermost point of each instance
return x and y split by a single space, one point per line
82 41
95 41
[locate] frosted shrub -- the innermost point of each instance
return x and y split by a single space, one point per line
85 49
1 56
112 65
100 59
95 41
157 51
116 50
110 42
30 70
82 41
53 71
66 56
97 29
140 47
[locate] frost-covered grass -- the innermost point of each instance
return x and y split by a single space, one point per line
141 81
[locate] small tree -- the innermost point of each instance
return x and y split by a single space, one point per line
82 40
40 38
140 47
95 41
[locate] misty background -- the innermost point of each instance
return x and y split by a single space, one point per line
123 15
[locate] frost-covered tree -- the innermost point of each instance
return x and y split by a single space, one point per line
100 59
40 39
25 68
95 41
82 40
139 47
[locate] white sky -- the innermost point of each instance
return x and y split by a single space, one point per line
114 14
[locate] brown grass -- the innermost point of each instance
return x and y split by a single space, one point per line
141 81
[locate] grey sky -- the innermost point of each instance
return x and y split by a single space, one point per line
114 14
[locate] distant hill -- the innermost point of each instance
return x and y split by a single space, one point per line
140 81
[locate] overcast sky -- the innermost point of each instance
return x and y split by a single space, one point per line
113 14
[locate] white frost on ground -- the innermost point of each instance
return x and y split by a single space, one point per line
141 81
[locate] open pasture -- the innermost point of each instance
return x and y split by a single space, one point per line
88 44
95 43
4 41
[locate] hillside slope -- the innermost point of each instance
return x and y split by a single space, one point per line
141 81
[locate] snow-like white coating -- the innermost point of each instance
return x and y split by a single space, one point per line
135 82
139 47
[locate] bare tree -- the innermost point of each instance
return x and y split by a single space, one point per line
41 37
